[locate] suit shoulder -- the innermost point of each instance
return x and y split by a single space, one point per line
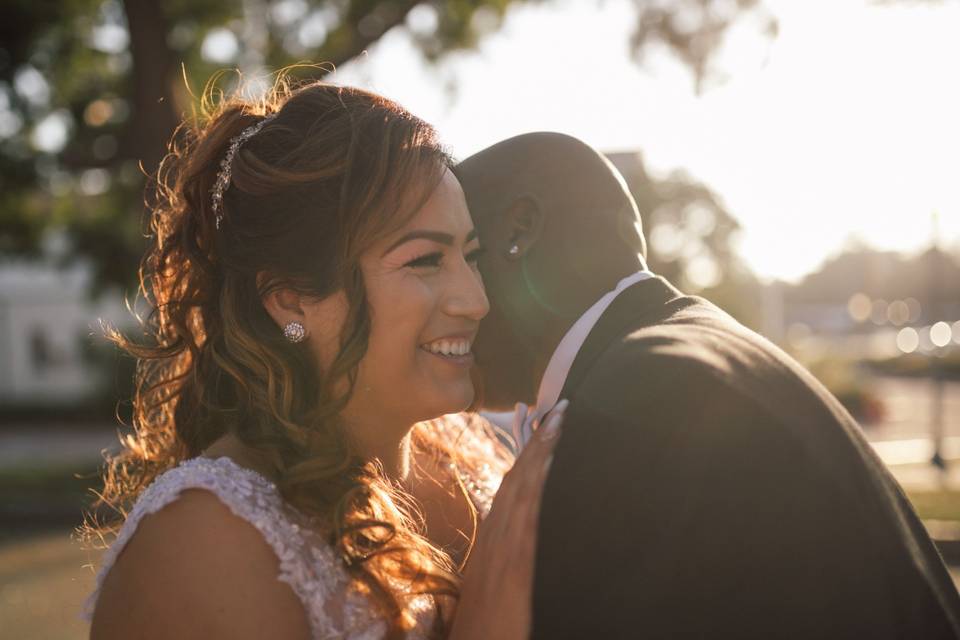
699 351
710 342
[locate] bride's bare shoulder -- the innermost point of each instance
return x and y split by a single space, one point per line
196 570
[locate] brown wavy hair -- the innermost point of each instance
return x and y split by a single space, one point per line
329 174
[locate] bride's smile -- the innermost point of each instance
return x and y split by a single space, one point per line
427 299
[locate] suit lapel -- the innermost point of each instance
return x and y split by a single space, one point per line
641 304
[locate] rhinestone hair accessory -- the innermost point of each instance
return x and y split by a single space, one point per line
226 166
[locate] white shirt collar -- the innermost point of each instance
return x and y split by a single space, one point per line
555 375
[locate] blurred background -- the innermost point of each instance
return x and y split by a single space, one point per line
795 162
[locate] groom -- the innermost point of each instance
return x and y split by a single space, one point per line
705 485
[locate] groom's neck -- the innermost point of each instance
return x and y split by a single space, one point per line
547 340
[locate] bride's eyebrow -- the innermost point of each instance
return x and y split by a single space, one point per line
425 234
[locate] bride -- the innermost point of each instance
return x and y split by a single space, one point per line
295 471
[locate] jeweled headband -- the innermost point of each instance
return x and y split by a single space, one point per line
226 166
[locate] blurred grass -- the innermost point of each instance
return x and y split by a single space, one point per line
45 574
63 482
51 496
44 580
936 505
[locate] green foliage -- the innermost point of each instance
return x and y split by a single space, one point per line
693 29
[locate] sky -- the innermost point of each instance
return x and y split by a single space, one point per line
844 128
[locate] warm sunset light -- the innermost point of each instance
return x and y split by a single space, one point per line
512 319
843 128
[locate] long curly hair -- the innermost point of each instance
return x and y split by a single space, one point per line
329 174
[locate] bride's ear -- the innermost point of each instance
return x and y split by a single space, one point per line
284 305
523 223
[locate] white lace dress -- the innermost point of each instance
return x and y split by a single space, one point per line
307 562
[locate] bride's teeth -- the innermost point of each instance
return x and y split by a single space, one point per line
449 347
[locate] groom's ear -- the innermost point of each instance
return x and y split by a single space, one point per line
523 222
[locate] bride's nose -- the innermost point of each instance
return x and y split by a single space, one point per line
465 296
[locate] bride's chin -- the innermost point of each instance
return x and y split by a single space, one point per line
457 402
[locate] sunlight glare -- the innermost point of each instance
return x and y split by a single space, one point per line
842 127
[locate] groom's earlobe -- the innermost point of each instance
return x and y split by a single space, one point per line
524 223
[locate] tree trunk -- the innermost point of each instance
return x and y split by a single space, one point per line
154 115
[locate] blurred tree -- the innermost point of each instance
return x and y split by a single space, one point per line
91 91
691 237
694 29
886 277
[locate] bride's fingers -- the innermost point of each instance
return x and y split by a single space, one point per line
540 447
518 501
517 534
530 462
540 456
546 429
520 413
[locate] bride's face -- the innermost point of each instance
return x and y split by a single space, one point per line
426 301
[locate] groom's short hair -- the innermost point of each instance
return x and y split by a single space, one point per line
565 175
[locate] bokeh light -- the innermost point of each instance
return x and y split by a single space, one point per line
908 340
220 46
98 113
51 134
898 313
860 307
940 334
94 182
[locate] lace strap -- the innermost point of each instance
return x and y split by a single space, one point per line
253 498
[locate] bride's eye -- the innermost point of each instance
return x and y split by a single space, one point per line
427 260
474 256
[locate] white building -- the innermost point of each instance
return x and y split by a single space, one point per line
48 328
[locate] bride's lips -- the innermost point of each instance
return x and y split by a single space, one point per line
453 349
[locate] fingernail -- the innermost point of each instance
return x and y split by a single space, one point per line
562 405
552 428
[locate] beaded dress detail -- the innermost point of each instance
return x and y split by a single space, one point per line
308 563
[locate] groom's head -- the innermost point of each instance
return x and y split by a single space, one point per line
560 229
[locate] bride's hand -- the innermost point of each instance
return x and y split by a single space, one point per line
495 598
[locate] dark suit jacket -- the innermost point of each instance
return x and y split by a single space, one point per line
706 486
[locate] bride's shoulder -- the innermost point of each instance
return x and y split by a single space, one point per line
208 489
195 567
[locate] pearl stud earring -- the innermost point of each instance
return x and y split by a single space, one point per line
515 250
294 332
